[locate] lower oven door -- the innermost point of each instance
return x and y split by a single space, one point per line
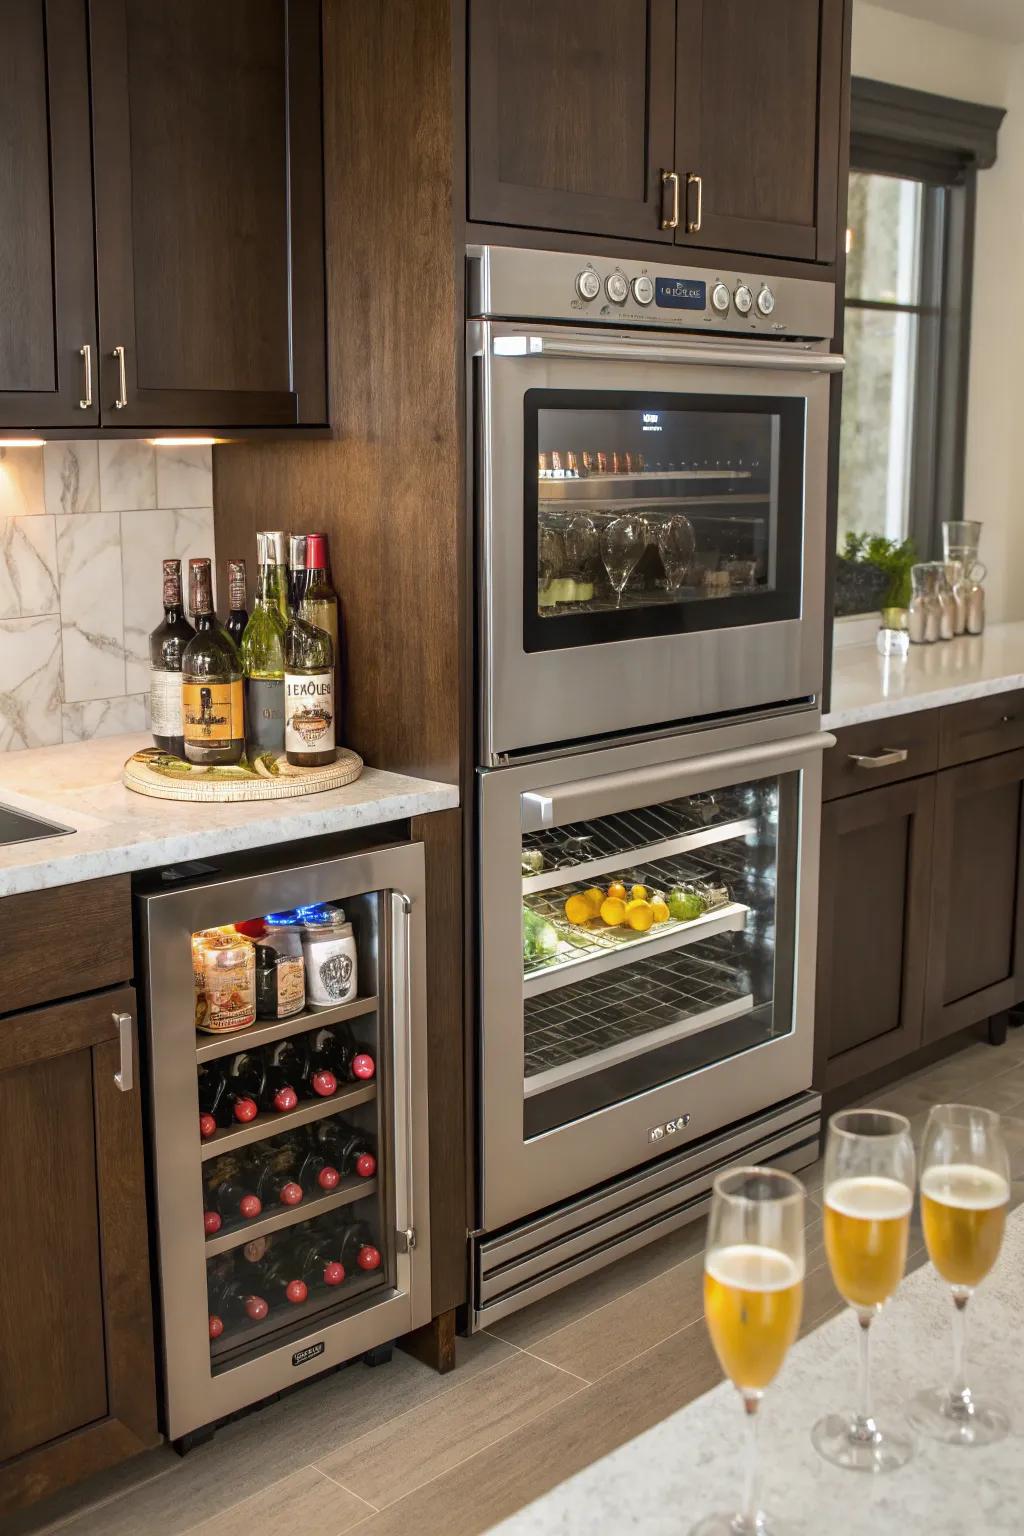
648 920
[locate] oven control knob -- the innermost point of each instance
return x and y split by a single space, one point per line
766 300
720 298
643 290
743 299
616 287
588 284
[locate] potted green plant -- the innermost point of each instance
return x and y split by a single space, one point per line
873 574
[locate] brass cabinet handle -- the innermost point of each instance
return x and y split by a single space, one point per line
693 180
85 353
670 178
122 382
887 758
125 1079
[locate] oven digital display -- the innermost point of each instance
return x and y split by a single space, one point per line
680 293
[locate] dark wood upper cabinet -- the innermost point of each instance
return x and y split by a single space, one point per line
757 124
577 107
209 212
47 291
571 113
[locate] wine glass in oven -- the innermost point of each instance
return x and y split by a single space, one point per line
582 548
677 544
622 547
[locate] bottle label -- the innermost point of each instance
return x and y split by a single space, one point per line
308 711
291 985
212 712
165 703
264 713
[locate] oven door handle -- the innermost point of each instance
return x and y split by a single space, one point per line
747 355
562 803
720 355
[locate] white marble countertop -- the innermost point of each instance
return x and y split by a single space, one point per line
116 830
867 686
691 1464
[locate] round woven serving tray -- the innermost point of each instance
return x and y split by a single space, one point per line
154 773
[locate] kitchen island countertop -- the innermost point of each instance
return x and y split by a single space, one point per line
867 686
117 831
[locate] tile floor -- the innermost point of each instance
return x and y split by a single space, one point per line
545 1392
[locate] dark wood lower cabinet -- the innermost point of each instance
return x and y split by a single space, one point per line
876 885
76 1341
976 958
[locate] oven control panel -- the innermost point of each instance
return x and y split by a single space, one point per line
517 284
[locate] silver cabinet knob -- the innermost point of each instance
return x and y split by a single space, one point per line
588 284
643 290
721 298
766 300
743 299
616 287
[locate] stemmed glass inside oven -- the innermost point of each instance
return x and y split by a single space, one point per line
622 546
676 546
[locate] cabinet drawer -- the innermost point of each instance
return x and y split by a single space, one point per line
981 728
881 752
70 939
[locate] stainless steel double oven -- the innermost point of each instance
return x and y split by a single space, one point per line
648 452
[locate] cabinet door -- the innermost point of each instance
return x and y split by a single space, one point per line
47 282
209 212
876 877
75 1309
570 113
757 121
976 963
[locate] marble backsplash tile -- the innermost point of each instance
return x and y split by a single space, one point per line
83 527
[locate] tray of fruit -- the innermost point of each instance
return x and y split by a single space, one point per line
605 916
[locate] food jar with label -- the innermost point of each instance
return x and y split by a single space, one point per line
229 979
329 951
280 975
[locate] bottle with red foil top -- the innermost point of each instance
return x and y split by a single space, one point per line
317 1259
356 1249
232 1301
289 1065
336 1051
229 1092
229 1196
271 1170
346 1148
277 1272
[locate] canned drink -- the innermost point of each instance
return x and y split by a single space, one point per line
602 463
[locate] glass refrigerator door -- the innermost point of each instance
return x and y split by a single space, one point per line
656 942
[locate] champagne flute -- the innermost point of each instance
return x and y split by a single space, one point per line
965 1193
677 544
869 1193
753 1297
622 545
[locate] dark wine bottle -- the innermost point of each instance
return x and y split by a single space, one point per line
289 1063
271 1171
317 1259
277 1272
238 613
228 1091
346 1148
231 1301
228 1195
337 1051
356 1248
212 706
166 647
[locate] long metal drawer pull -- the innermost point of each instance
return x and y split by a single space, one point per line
85 353
401 982
768 356
693 180
122 382
887 758
667 178
125 1078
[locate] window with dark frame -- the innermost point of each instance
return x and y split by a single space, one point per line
914 159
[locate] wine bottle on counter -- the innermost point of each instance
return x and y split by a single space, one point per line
296 570
319 603
211 681
238 613
309 712
263 650
166 647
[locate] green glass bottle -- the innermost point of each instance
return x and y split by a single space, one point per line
212 707
263 651
309 726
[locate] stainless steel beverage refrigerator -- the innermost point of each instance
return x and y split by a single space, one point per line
292 1229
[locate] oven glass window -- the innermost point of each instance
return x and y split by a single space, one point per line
649 515
656 942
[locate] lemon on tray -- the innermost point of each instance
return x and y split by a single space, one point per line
579 908
595 896
617 891
613 911
639 893
660 909
640 914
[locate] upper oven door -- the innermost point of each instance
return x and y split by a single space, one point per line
652 516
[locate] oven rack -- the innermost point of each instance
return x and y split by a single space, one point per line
547 478
610 1018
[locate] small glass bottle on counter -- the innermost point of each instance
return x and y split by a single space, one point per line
329 951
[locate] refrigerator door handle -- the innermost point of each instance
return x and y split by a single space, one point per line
125 1078
402 1108
580 801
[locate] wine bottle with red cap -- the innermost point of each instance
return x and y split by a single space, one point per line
277 1271
232 1301
317 1259
289 1065
229 1092
228 1196
271 1170
346 1147
337 1051
356 1249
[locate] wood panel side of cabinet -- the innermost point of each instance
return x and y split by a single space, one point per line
873 937
56 943
976 956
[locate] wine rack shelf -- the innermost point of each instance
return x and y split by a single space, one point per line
289 1216
211 1047
265 1126
323 1307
